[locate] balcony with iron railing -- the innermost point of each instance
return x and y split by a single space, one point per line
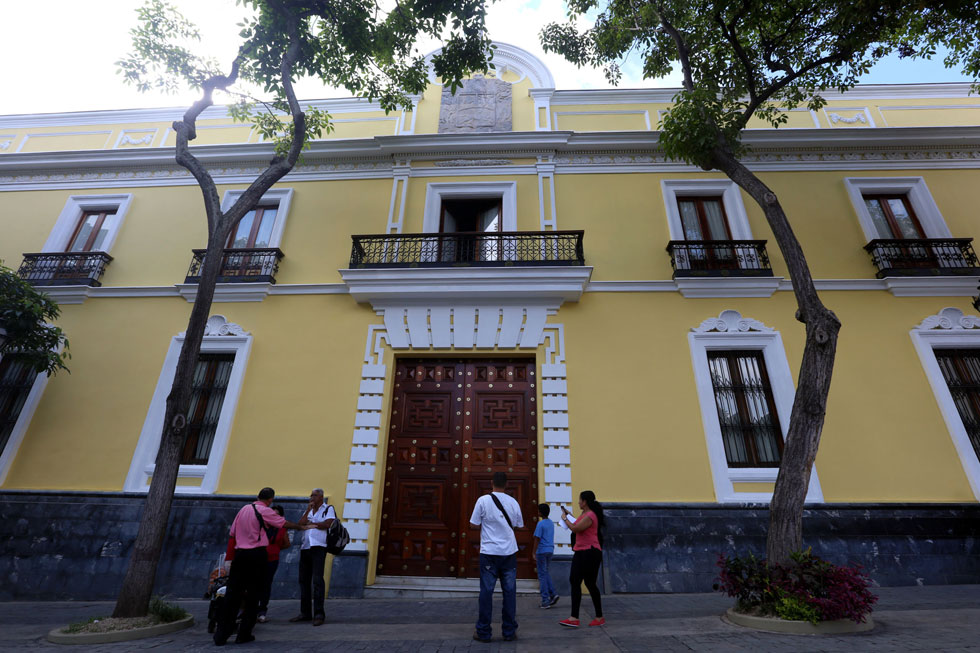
64 268
471 249
241 265
719 258
923 257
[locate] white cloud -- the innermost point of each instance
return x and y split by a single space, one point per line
59 55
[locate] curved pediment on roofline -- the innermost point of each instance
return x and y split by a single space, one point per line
507 57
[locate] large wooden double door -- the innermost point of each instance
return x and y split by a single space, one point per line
453 424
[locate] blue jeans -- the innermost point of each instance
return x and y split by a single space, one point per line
544 578
492 568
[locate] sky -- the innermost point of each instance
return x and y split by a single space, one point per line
59 55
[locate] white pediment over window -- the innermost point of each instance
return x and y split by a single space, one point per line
731 321
950 319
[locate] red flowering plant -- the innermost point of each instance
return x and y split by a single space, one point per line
806 589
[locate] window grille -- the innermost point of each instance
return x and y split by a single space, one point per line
746 410
16 380
210 382
961 370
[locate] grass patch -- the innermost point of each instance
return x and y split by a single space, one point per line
161 612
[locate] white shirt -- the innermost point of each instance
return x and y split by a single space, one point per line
496 537
315 536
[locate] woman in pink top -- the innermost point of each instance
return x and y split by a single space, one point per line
587 556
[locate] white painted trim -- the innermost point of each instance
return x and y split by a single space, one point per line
128 137
919 197
27 137
542 107
965 286
64 227
553 284
546 172
20 427
508 57
644 113
228 292
731 197
436 192
949 329
232 339
280 196
861 118
728 286
731 331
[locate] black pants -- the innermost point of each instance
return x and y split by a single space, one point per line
311 563
585 567
270 574
246 581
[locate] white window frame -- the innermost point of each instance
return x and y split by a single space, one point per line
731 199
949 329
282 197
435 193
730 331
64 228
221 337
21 425
914 188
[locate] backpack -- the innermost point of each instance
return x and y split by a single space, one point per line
337 536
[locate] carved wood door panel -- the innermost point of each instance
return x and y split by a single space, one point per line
453 424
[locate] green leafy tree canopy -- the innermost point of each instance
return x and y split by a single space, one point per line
25 325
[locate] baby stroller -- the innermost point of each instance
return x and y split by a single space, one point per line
217 585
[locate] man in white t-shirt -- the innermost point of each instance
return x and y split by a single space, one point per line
497 515
312 557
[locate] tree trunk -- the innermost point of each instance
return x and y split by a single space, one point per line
137 588
813 385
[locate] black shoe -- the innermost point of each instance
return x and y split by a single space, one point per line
510 638
554 599
300 617
477 637
244 639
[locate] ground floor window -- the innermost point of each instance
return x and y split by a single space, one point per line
746 410
207 396
16 381
961 371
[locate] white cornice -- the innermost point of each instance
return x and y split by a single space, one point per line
666 95
165 114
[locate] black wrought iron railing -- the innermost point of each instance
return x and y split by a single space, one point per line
64 268
243 265
719 258
468 249
923 257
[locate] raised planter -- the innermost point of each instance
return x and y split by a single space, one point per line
58 637
777 625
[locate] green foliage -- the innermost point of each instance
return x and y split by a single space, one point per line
351 44
745 59
80 626
166 612
792 608
24 325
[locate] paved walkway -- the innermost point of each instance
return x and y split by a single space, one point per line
940 618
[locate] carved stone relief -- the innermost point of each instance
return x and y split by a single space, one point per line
482 105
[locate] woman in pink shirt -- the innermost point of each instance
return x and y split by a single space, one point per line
586 557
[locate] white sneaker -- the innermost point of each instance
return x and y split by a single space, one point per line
262 619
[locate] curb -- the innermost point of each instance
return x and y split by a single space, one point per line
776 625
58 637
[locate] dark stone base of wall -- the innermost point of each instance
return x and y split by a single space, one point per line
348 575
674 548
74 545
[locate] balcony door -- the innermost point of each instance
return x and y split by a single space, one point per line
894 219
253 231
472 227
704 220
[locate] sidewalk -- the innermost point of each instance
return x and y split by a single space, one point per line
936 618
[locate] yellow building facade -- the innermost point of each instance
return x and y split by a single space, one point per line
484 284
